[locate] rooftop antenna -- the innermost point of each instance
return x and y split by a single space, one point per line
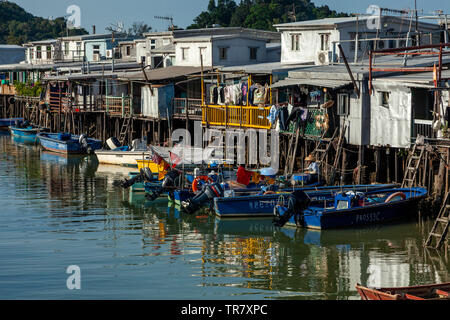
168 19
291 14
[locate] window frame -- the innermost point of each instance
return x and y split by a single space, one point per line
343 104
255 51
295 37
383 101
324 45
223 53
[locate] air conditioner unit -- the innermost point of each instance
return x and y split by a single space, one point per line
96 57
109 54
323 58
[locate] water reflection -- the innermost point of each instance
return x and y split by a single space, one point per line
70 210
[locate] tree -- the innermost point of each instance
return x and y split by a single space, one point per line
138 29
259 14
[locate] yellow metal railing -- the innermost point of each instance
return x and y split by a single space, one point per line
236 116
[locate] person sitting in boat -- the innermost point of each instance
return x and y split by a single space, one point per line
313 165
312 169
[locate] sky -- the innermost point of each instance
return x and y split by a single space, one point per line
103 13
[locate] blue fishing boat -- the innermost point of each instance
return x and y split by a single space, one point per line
6 123
68 144
349 208
261 204
28 132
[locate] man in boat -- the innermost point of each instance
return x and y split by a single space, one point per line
312 169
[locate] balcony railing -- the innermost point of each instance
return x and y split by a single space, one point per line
423 128
118 106
7 89
190 107
237 116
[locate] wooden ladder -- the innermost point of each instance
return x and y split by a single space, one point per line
439 231
413 163
340 144
124 130
292 152
323 146
33 116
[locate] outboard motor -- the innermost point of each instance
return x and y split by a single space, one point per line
297 202
84 144
171 179
208 193
145 174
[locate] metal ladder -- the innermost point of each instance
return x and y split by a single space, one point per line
124 130
413 162
439 231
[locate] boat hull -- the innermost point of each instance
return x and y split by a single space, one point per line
121 158
49 142
26 134
6 123
263 205
361 216
402 293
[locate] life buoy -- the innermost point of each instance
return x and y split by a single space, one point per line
197 181
394 195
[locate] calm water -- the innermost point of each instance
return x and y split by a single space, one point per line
56 212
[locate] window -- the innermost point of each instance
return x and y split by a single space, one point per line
49 52
128 50
38 52
384 98
184 53
166 42
96 49
343 107
253 53
78 48
66 48
223 53
295 42
325 42
152 44
202 53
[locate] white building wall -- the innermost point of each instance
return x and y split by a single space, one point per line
238 52
192 53
391 125
310 45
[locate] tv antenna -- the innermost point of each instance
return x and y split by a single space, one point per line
167 19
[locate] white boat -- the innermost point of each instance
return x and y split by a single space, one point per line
118 156
122 158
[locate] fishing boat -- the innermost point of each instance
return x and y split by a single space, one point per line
421 292
27 132
66 143
123 155
349 208
258 203
6 123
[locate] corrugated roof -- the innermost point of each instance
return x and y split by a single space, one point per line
333 84
165 73
331 22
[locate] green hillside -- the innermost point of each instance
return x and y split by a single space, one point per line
260 14
18 26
